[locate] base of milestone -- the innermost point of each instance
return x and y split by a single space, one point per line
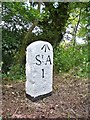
39 97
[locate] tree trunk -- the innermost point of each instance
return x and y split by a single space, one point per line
21 54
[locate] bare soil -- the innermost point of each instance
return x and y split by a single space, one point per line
68 100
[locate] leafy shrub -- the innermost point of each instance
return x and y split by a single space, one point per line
11 42
15 73
73 60
67 58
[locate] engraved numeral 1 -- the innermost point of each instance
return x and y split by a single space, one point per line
42 73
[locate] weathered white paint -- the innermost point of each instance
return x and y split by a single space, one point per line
39 68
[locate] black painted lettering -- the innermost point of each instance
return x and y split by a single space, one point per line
48 60
42 73
38 59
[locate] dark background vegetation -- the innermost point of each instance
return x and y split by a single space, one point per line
19 20
62 24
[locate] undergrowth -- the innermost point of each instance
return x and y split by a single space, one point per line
67 59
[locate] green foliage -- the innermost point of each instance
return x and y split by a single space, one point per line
72 59
15 73
53 22
10 44
78 19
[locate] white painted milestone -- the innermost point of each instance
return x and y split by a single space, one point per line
39 68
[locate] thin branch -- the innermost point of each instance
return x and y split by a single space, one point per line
74 18
76 27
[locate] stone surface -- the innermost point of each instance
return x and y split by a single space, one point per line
39 68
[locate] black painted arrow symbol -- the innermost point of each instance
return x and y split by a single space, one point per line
45 47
